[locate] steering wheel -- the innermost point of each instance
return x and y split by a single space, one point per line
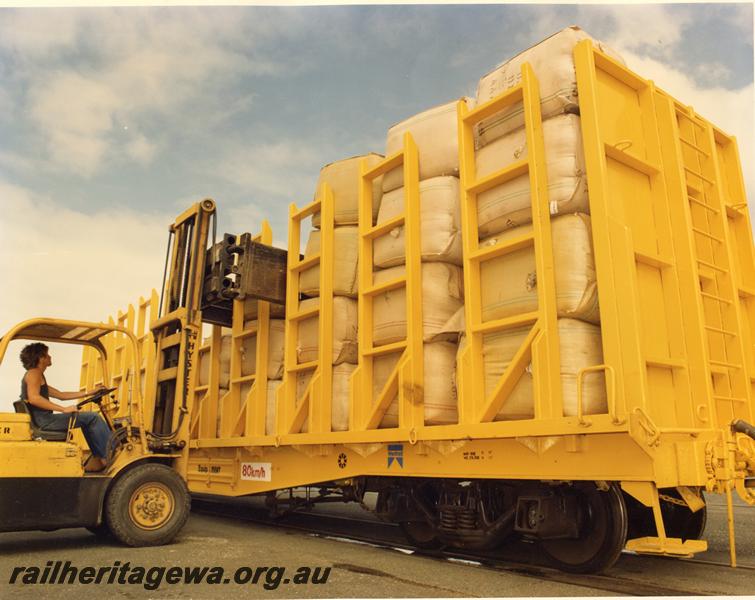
96 397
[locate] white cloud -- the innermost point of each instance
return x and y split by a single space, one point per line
141 149
58 262
283 168
123 66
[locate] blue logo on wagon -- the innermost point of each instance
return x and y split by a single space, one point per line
396 453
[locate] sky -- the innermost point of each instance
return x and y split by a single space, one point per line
114 120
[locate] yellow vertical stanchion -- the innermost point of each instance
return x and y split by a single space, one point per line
546 351
314 407
321 386
257 399
411 375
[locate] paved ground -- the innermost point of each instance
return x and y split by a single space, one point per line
356 570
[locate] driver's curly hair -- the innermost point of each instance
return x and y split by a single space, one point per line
31 354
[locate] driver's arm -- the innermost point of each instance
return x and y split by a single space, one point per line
65 395
33 386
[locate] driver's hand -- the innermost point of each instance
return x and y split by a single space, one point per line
70 409
99 386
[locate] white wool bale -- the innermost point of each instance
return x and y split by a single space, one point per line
276 343
435 132
442 296
440 224
346 250
251 310
222 392
552 61
509 282
580 346
225 362
440 396
344 331
272 405
344 179
339 410
510 204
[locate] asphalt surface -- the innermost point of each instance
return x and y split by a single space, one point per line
356 570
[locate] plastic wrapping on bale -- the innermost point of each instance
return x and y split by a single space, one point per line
339 410
440 223
580 346
435 132
510 204
442 296
344 179
509 282
344 331
276 344
346 250
552 61
439 387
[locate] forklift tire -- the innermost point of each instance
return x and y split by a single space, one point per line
147 506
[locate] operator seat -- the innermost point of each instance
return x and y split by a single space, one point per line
36 431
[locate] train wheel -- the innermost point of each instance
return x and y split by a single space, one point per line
602 533
147 506
421 535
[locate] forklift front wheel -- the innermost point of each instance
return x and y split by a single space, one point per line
147 506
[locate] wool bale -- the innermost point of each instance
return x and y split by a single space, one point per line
344 331
509 282
552 61
510 204
344 179
435 132
440 223
270 413
440 396
225 361
276 342
251 310
580 346
346 250
339 410
442 296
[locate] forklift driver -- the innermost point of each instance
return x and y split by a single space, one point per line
36 393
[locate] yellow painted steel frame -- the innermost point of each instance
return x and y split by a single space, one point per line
313 407
541 345
228 415
406 382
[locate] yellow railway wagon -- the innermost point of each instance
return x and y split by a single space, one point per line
673 251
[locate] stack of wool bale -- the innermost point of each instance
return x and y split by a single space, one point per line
435 134
248 359
509 282
343 177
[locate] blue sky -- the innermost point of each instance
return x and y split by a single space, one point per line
112 120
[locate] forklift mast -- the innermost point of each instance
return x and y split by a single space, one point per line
200 283
179 325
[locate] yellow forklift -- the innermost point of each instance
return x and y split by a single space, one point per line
141 498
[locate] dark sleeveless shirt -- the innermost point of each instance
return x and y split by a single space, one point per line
44 391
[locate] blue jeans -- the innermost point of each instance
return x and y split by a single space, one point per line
92 426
